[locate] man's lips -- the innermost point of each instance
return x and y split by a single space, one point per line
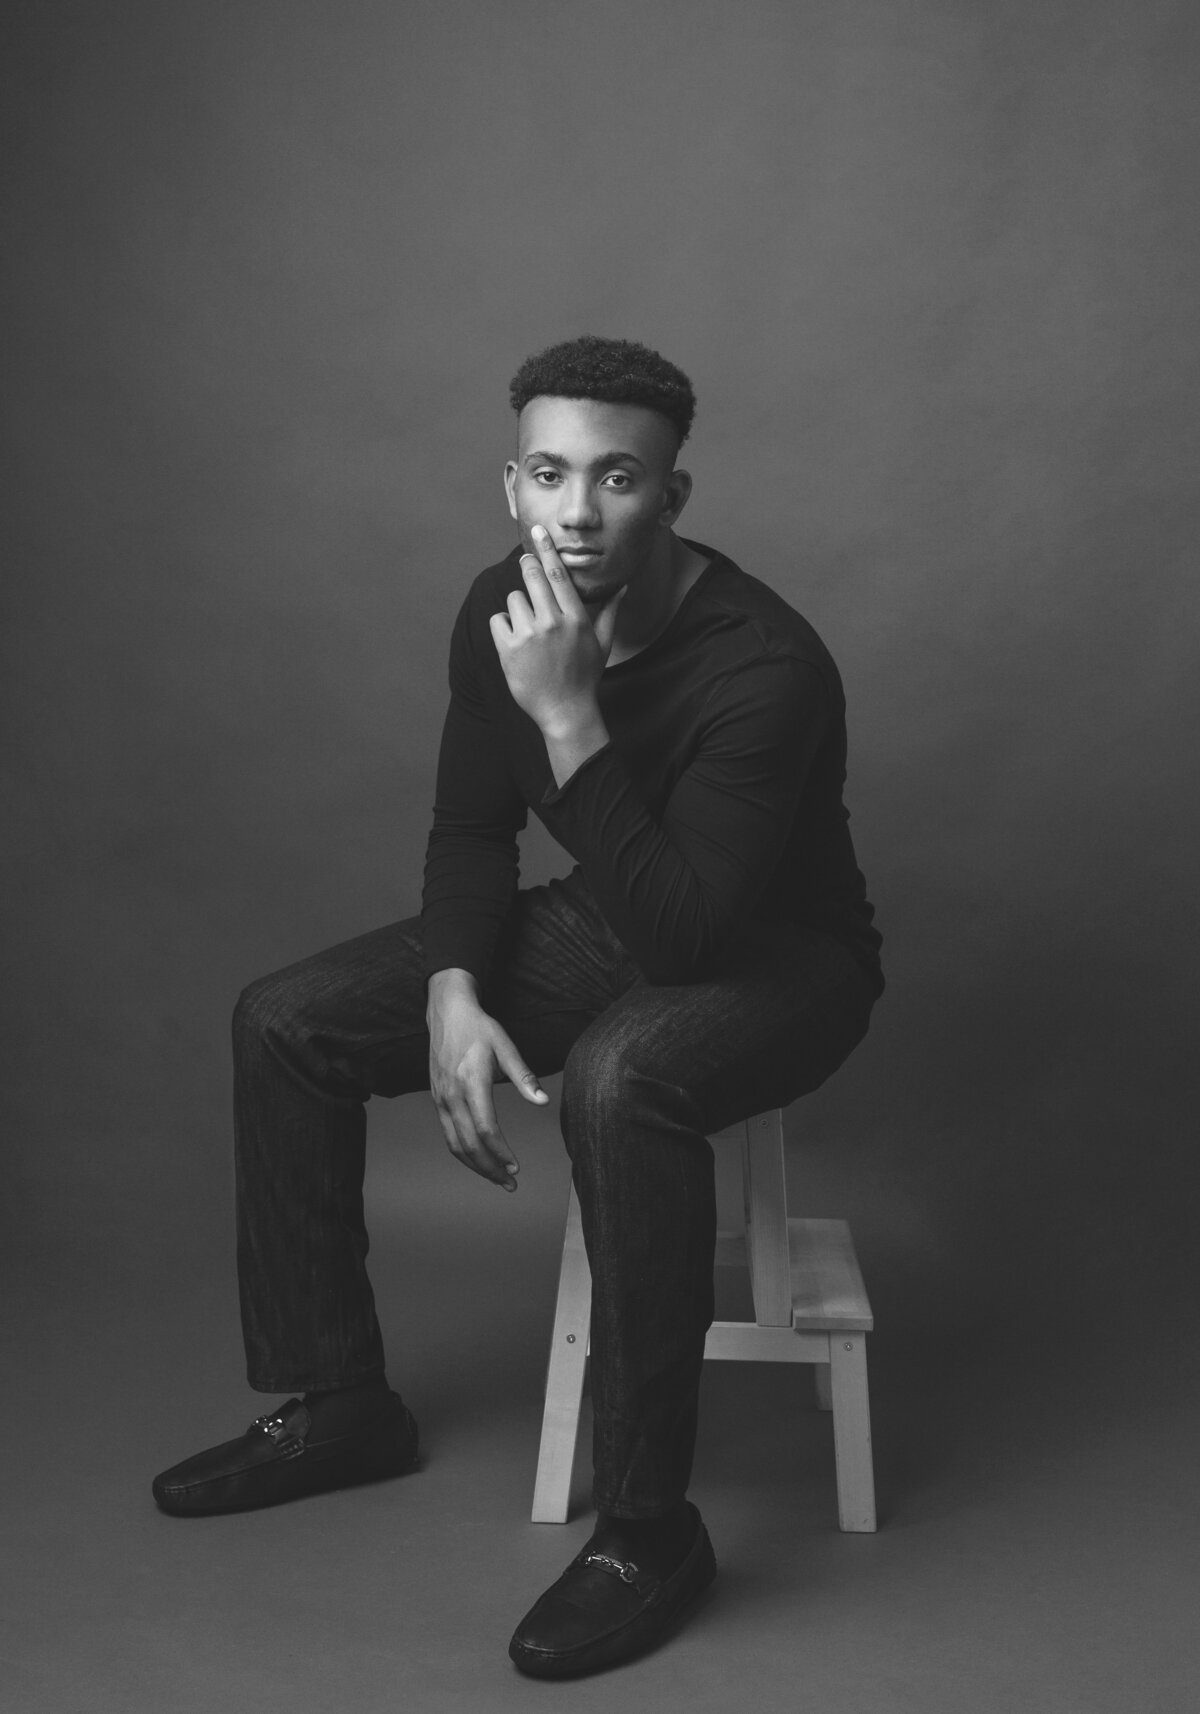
577 555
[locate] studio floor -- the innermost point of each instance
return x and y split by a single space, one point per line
1037 1483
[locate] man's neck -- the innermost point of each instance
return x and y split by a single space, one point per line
646 612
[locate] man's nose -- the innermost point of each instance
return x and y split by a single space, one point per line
577 508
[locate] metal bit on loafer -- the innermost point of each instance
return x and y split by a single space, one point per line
287 1444
625 1569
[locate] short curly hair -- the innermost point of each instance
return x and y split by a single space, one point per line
617 371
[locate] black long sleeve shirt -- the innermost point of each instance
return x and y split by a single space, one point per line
718 796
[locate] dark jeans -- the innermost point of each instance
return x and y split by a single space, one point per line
648 1073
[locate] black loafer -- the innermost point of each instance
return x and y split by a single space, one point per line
603 1611
277 1459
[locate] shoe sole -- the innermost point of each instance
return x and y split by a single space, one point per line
642 1631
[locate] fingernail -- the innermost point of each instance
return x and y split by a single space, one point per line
539 531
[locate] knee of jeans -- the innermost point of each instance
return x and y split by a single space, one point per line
595 1075
268 1010
606 1079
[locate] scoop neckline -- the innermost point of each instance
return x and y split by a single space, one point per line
632 660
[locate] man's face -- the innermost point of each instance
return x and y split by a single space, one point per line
599 478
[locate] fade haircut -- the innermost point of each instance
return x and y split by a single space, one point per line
615 371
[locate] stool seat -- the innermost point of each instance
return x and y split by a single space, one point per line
810 1306
827 1291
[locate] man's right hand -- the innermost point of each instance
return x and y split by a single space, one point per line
467 1052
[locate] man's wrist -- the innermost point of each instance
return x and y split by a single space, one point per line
572 720
452 983
571 739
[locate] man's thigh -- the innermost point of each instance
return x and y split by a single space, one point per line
355 1012
788 1007
360 1005
557 967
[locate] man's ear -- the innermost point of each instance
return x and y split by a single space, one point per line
676 490
510 487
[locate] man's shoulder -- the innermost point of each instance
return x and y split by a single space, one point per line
759 620
494 580
486 594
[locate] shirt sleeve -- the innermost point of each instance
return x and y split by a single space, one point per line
471 858
675 889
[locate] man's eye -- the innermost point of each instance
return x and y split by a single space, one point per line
545 477
618 479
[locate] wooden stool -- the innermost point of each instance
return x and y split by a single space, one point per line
810 1306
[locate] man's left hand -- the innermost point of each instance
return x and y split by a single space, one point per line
550 649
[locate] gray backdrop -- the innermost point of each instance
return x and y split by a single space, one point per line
933 270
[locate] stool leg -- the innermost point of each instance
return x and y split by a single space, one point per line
564 1377
767 1248
824 1386
852 1430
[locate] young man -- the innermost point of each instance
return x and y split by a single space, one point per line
681 732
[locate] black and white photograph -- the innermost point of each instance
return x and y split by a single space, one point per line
600 769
